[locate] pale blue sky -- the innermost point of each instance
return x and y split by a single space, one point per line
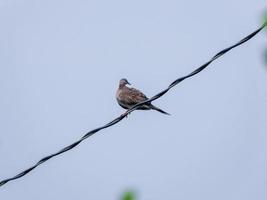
60 66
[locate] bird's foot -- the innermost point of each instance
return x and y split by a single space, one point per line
125 114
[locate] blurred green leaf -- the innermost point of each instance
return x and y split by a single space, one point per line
265 19
129 195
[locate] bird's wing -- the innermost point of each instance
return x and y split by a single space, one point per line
132 96
137 95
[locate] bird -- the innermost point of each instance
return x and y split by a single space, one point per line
128 97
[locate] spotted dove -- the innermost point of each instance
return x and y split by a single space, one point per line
128 97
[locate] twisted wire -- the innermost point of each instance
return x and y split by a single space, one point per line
118 119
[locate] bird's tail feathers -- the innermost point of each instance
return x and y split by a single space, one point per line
159 110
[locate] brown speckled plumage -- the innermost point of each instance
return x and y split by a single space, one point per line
128 97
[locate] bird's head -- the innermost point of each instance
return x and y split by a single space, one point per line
124 82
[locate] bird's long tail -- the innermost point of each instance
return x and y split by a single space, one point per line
158 109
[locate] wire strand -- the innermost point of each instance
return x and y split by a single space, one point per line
118 119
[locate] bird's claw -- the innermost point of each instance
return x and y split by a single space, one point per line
125 114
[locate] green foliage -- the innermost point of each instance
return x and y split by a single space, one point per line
129 195
265 19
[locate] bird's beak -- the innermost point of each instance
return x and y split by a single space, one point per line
128 83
